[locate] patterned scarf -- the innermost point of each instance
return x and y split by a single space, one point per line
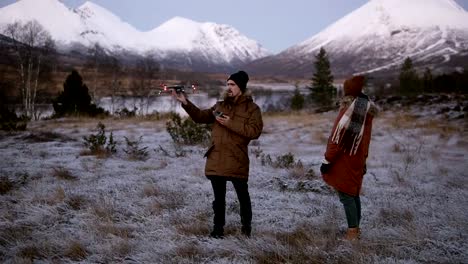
350 127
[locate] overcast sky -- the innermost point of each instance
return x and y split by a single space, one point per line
276 25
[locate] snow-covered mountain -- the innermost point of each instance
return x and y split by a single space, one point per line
179 42
378 36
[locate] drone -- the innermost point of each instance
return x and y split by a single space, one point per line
177 88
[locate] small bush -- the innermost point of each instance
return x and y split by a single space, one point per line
187 131
135 151
97 143
125 113
297 101
284 161
9 121
178 151
266 159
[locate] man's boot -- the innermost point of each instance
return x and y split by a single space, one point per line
218 232
246 230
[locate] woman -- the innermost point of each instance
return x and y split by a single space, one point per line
344 164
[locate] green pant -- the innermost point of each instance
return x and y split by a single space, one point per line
352 207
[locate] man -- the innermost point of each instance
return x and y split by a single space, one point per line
236 121
344 165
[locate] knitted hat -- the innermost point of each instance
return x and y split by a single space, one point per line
240 78
354 85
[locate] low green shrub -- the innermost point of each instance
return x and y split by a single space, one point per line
187 131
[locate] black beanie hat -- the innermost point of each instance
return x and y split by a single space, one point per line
240 78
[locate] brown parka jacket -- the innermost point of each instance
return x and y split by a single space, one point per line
228 154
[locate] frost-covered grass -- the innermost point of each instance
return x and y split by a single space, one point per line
57 205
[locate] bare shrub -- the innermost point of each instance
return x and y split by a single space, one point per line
63 173
411 154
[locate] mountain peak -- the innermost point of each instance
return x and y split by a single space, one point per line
51 14
420 13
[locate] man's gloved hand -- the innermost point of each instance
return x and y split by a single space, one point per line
325 168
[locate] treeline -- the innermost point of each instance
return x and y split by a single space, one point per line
413 83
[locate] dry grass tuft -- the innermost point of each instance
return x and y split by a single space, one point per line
100 153
403 121
167 200
39 137
111 228
6 185
56 197
104 210
30 252
63 173
9 234
76 251
150 190
193 226
76 202
121 248
396 217
192 251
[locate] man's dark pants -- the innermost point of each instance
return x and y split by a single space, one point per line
219 204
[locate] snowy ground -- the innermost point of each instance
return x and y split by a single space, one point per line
64 206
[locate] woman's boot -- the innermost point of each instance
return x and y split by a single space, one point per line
352 234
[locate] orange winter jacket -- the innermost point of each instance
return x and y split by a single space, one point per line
347 171
228 154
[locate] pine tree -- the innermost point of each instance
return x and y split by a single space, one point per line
428 81
75 98
297 101
322 90
409 81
